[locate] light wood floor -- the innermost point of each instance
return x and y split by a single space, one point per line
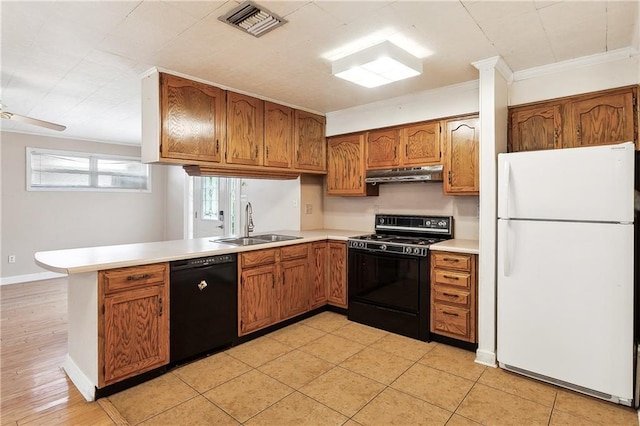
324 368
33 344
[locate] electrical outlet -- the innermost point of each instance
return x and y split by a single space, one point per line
12 259
295 203
308 208
376 208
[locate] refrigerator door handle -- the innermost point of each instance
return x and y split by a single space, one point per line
506 182
506 266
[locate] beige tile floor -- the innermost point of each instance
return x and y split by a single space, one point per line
328 370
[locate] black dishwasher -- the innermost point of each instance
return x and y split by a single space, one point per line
203 308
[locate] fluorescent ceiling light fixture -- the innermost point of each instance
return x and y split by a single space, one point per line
377 65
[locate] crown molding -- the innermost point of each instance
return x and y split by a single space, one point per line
571 64
495 62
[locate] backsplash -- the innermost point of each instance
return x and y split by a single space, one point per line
403 198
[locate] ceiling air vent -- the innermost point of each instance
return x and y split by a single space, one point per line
252 19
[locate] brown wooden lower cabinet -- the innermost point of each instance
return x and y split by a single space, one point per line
278 284
337 279
257 298
133 321
453 295
318 265
273 286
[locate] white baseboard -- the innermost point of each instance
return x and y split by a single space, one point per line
82 382
17 279
486 358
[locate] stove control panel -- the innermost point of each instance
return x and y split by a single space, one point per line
417 224
389 248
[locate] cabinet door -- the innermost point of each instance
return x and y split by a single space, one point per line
345 171
257 299
318 267
604 120
193 120
134 333
421 144
383 148
294 294
337 287
310 143
278 135
461 144
245 126
535 128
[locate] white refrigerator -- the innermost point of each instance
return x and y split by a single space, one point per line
565 259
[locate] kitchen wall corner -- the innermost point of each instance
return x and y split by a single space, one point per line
311 202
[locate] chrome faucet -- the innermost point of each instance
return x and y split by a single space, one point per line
248 221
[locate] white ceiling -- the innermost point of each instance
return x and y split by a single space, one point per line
79 63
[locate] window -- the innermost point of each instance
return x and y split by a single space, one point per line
49 170
210 198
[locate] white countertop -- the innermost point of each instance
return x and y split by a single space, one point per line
91 259
456 245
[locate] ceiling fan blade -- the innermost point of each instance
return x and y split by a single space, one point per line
34 121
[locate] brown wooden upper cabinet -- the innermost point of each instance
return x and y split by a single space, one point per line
408 146
603 120
278 135
212 131
421 144
535 128
461 154
310 142
599 118
345 166
245 129
193 120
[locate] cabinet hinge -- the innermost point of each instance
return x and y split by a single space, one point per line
102 309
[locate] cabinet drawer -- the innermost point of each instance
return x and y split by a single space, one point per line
257 257
134 277
454 278
294 252
449 295
451 321
452 260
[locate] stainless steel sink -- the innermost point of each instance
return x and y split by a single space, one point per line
275 237
242 241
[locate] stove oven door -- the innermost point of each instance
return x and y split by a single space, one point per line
389 291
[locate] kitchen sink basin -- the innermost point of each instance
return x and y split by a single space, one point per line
242 241
275 237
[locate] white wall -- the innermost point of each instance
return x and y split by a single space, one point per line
275 204
176 202
40 220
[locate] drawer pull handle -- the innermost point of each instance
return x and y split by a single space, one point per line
451 277
137 277
450 314
160 310
451 295
451 259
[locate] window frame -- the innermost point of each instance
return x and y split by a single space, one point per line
93 172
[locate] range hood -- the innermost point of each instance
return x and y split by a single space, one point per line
407 174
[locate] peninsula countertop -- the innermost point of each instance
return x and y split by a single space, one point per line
91 259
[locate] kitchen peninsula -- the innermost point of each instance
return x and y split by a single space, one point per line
85 360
